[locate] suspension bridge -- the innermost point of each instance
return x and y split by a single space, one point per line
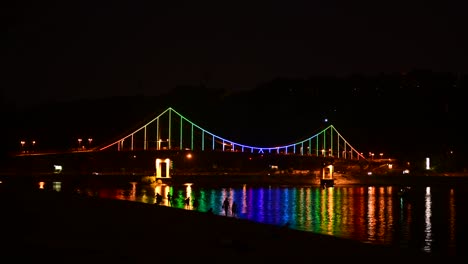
171 146
170 130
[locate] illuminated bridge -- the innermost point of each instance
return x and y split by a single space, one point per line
170 130
170 146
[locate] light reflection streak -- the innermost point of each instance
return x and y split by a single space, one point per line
330 209
188 194
250 202
307 211
132 196
300 205
232 196
212 201
427 221
277 215
381 219
244 199
323 213
57 186
285 206
202 206
261 205
269 205
361 222
452 217
371 223
338 211
389 213
346 215
316 211
293 206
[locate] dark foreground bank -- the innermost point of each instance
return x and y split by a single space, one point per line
50 226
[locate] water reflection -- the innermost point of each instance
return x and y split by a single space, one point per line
452 215
427 221
370 214
57 186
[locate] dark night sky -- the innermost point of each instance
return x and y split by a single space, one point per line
66 50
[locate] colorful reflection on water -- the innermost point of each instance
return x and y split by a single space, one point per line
427 220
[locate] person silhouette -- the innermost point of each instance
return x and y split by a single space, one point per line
187 202
195 203
226 206
234 209
169 199
158 198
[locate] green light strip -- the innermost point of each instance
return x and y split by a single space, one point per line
191 144
170 123
145 142
203 140
180 140
157 134
324 142
338 146
317 146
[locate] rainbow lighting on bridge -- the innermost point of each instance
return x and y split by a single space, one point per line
172 131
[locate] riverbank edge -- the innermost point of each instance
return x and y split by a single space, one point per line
57 225
248 178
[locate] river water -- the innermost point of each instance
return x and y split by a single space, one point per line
427 219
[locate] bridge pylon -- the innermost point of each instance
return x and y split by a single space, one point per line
327 176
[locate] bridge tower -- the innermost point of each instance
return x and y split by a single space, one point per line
327 176
163 168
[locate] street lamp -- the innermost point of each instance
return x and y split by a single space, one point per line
159 144
33 143
89 142
79 143
188 164
381 155
22 142
160 141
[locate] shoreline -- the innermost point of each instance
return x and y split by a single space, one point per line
246 178
57 225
